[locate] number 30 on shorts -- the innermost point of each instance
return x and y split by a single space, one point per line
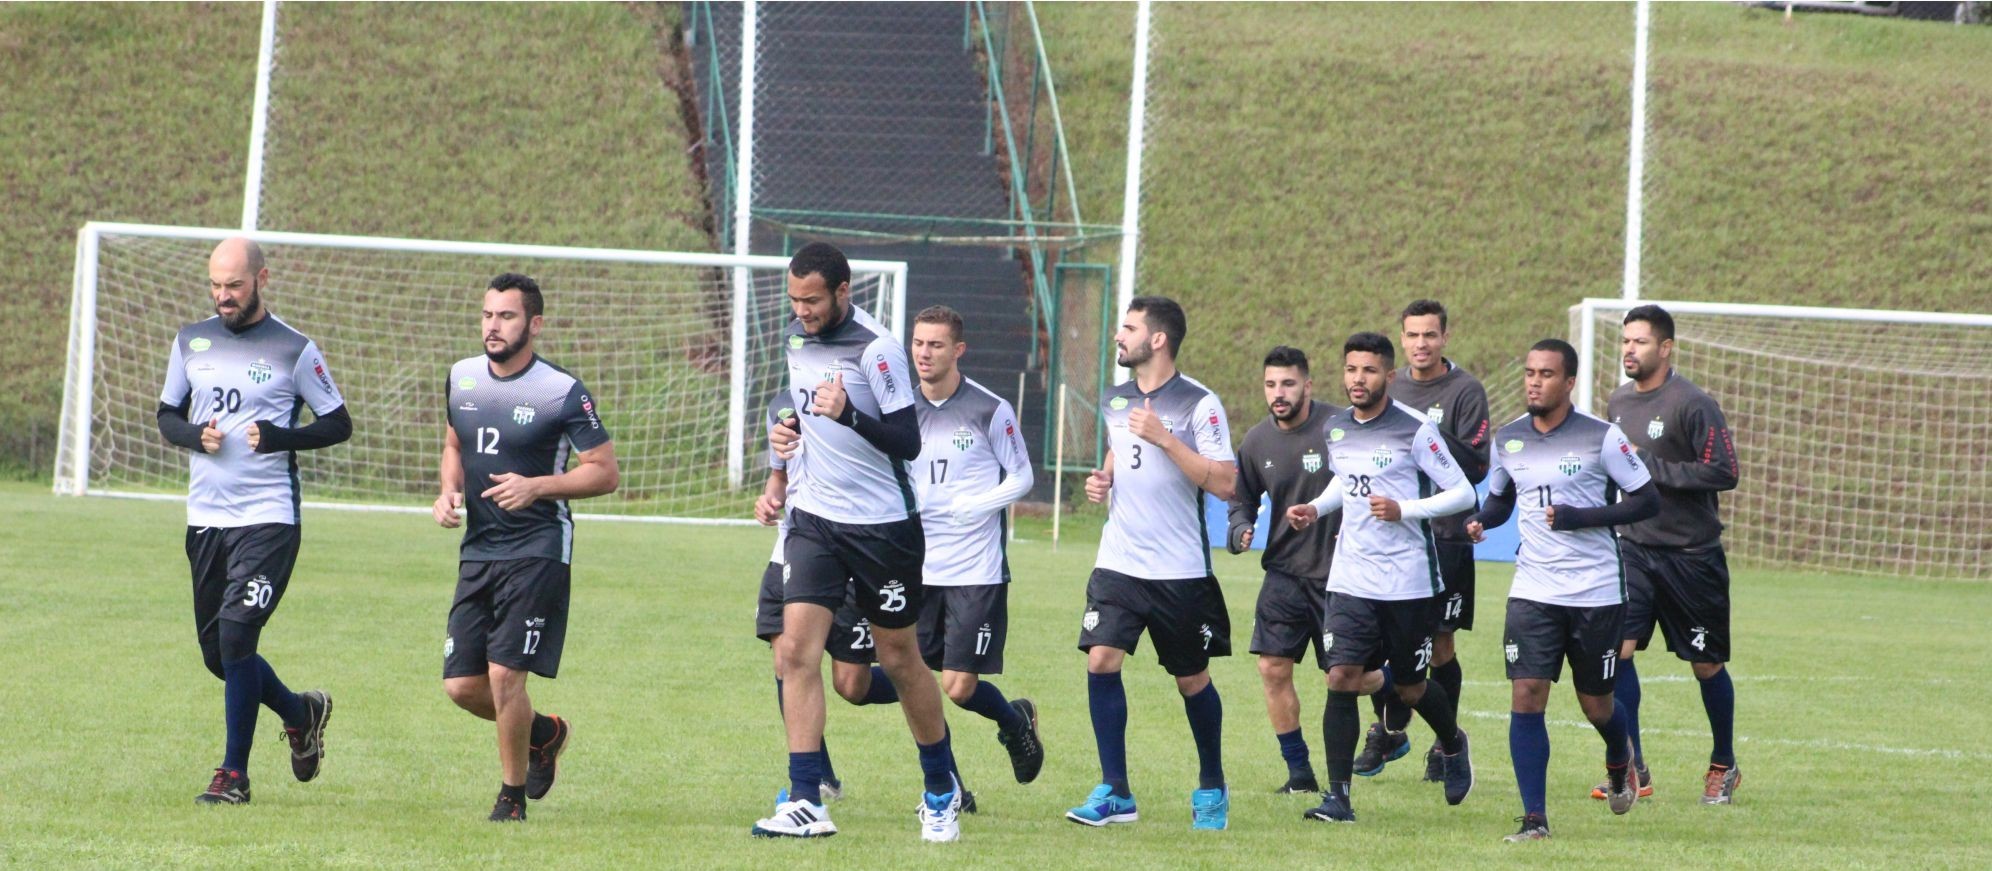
258 592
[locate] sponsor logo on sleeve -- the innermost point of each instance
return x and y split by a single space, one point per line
885 372
588 410
324 380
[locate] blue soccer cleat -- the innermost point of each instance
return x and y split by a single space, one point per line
1103 808
1210 809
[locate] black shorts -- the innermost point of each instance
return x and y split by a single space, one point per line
768 608
1685 591
880 562
511 612
1539 637
1288 616
850 637
1185 618
1371 632
1456 569
962 628
240 574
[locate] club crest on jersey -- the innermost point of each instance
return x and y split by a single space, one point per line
1382 457
1168 425
1436 414
1569 464
963 439
1310 461
1655 428
522 414
1091 621
1513 650
1117 403
259 372
199 345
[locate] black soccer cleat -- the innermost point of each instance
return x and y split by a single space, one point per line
1535 827
1333 809
1458 772
307 744
227 787
543 762
967 801
1379 747
1026 748
1300 784
508 811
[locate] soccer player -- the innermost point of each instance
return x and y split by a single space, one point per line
1456 404
854 525
1168 446
1385 583
514 419
230 379
972 465
1283 456
1563 467
1676 574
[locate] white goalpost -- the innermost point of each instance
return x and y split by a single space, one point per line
1864 435
659 337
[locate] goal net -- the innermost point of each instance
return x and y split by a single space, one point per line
1863 436
680 349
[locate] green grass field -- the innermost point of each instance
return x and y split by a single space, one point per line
1861 731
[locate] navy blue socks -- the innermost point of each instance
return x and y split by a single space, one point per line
1206 713
988 701
1627 691
1293 749
1108 701
1528 745
1719 699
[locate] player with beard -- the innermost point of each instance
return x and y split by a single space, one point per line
514 421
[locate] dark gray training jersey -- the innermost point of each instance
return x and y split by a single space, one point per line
1682 436
1291 466
527 424
1456 405
1583 463
266 372
1155 517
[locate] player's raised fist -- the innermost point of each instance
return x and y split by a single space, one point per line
1146 425
445 510
830 397
1097 485
512 491
1302 516
211 436
1385 508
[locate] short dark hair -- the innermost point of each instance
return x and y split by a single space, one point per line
535 304
1655 316
821 258
1372 343
1561 347
940 314
1287 356
1164 316
1422 307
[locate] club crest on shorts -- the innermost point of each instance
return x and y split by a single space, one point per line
1327 641
963 438
1092 621
449 645
1310 461
1655 427
522 414
1513 650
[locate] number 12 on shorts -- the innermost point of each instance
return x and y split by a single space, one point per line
532 642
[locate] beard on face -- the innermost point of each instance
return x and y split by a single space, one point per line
1292 411
243 313
504 355
1135 356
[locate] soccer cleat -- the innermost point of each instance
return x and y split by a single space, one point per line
543 762
1300 784
832 789
1535 827
1625 792
1458 772
1380 746
508 811
1645 785
1210 809
1026 748
1103 808
1718 785
967 799
227 787
940 815
795 819
1332 809
307 745
1435 770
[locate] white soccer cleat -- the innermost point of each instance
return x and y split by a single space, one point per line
940 815
796 819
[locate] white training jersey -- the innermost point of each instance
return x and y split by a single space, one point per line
266 372
972 464
1583 463
1155 515
1400 455
848 480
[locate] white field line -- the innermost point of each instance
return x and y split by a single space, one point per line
1814 743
